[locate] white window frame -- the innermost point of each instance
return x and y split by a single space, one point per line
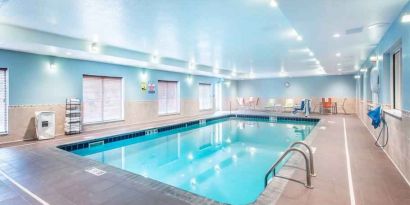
393 89
6 117
102 110
178 94
218 96
200 97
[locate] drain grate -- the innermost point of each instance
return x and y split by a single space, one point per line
95 171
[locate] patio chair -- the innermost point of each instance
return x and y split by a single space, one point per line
326 105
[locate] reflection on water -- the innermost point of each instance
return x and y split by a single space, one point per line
225 161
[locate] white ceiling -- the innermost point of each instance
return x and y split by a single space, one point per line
319 20
246 35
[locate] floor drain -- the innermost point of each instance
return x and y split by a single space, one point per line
322 128
95 171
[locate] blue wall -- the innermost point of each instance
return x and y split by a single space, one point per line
398 32
32 82
321 86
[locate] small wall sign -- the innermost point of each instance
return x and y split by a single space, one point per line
151 87
143 86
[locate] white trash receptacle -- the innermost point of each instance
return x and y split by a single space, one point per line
45 125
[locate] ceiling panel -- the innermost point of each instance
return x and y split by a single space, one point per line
246 35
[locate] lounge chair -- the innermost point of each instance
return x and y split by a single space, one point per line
253 102
241 102
342 106
289 104
272 106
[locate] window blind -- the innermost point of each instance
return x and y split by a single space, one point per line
168 97
3 102
205 96
102 99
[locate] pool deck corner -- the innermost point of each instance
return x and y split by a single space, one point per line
40 173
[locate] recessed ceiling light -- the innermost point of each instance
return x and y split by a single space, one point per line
357 77
339 69
373 58
293 33
155 57
336 35
363 70
338 54
339 64
299 38
273 3
95 38
405 18
251 75
311 53
233 73
192 64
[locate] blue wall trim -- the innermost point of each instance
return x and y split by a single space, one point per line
319 86
32 82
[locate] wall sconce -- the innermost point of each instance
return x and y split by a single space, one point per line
363 70
52 66
189 79
143 75
94 47
405 18
228 83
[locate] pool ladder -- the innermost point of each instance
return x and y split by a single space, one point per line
310 170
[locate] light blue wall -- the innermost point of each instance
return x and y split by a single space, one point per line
322 86
398 32
32 82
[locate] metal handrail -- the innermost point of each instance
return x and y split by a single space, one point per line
292 149
312 168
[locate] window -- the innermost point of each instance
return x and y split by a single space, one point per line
102 99
3 101
168 97
205 96
396 79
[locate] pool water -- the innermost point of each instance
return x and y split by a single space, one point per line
225 160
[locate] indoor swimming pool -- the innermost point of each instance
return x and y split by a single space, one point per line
224 159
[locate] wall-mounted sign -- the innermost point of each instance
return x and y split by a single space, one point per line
151 87
143 86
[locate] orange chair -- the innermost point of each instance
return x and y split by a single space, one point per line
326 105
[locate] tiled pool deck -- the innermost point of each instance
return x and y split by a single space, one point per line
54 176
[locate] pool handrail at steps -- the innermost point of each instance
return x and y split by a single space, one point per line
308 163
312 167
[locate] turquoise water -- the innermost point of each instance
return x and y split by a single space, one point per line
225 160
